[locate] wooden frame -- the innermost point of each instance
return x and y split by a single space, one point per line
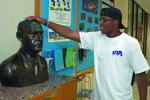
37 8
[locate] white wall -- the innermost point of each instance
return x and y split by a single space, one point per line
123 6
11 13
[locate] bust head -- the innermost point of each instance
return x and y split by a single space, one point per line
30 34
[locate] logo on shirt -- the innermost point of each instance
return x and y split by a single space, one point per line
117 52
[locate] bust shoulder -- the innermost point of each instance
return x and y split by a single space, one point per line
9 63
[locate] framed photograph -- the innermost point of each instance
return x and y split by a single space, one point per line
83 16
81 26
96 20
90 6
89 30
89 19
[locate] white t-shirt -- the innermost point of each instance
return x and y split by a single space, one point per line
115 59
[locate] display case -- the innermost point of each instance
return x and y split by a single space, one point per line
58 87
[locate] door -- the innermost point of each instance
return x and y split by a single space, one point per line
140 35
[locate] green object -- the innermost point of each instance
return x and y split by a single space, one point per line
68 57
57 8
51 8
86 90
61 9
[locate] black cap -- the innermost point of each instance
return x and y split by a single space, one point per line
113 13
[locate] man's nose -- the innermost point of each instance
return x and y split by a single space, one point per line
100 23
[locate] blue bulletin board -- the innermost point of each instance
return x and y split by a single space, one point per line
88 26
57 45
89 14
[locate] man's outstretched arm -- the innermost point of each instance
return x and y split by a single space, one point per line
61 30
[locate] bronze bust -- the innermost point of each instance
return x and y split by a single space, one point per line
26 67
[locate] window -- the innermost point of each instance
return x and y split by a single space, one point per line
137 17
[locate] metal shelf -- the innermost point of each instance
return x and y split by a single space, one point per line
85 91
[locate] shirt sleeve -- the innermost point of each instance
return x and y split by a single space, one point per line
88 39
137 59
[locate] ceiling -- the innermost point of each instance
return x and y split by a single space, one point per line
145 4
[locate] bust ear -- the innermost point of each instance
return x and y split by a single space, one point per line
19 36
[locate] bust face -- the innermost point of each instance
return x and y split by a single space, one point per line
32 38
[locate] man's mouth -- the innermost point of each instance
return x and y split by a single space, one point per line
101 28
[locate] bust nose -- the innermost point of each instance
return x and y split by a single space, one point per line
40 36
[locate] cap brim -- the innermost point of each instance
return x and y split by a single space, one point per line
121 26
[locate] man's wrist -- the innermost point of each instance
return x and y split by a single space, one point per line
47 22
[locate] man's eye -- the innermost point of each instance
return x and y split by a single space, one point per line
104 20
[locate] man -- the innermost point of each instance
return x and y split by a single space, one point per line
116 56
26 67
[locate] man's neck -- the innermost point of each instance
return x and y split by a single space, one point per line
113 34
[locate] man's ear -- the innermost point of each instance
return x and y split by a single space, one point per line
19 36
116 22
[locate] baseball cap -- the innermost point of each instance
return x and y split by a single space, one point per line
114 13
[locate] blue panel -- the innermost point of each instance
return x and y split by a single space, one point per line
89 62
57 45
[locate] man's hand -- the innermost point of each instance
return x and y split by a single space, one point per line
61 30
39 19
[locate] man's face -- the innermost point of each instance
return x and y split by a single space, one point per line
106 24
33 38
